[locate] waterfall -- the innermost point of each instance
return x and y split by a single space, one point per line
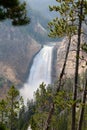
40 72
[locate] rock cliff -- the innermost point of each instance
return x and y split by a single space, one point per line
70 66
16 51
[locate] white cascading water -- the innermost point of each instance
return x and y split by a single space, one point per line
40 72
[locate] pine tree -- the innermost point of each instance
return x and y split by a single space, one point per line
15 11
13 106
71 16
60 27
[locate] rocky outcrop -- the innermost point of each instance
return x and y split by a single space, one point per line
70 67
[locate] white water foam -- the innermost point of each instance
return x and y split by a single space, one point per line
40 72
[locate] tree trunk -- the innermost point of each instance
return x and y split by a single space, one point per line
73 127
47 125
83 105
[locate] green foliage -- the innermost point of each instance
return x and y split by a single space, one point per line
3 110
64 100
13 106
15 11
26 115
62 121
38 121
37 111
44 97
9 109
71 16
3 127
64 25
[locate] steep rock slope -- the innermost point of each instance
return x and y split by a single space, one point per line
70 66
16 52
